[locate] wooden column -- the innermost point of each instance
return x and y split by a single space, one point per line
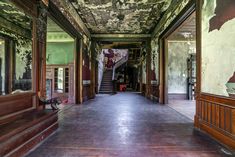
39 51
93 70
78 70
148 68
141 78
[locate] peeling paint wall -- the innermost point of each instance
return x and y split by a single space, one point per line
178 53
154 63
144 72
218 48
100 59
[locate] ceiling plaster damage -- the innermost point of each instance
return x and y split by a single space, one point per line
120 16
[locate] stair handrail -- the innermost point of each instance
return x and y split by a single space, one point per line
118 64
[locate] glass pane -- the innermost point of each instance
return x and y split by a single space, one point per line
2 67
15 49
60 80
23 66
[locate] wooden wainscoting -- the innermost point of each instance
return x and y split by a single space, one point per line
216 116
14 103
86 94
154 93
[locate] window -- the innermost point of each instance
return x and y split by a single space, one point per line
15 49
61 78
2 66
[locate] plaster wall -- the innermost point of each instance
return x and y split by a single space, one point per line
60 53
218 48
144 72
100 58
178 53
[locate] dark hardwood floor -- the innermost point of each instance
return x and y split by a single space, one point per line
125 125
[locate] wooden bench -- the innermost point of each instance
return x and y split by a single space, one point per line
22 126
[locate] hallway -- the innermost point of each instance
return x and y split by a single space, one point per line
125 124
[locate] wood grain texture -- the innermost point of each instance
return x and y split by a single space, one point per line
16 102
217 118
15 135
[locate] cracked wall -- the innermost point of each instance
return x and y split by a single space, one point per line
218 49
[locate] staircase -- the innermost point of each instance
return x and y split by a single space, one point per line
106 84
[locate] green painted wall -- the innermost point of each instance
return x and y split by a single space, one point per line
60 52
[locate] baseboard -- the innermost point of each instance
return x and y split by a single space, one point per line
176 96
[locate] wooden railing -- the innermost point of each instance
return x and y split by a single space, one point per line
118 64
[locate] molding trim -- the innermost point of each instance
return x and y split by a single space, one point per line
121 37
59 37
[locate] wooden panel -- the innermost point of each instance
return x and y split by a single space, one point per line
227 119
233 121
222 125
155 90
18 136
217 117
143 89
86 92
209 113
213 117
14 103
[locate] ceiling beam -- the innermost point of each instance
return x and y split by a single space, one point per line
121 37
69 8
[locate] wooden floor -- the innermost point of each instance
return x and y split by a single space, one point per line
125 125
185 107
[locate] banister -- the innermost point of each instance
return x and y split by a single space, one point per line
118 64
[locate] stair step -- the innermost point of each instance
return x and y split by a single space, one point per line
106 83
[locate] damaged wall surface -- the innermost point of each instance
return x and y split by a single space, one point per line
178 53
218 36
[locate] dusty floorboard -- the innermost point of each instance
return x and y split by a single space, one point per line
125 125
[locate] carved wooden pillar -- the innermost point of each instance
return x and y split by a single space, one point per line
148 68
39 46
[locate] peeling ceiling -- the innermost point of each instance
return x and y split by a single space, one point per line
11 13
120 16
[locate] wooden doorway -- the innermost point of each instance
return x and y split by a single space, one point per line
76 70
176 25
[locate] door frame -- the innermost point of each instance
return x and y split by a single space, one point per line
55 14
163 73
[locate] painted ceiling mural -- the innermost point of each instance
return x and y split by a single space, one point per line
121 16
218 35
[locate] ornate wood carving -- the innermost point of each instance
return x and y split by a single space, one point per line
41 22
